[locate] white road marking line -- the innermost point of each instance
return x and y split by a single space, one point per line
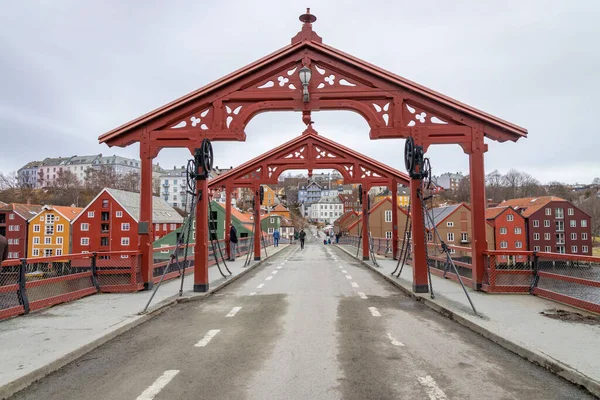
354 284
260 286
374 312
433 390
207 338
344 271
252 294
233 311
274 272
279 267
158 385
362 295
394 341
268 278
348 277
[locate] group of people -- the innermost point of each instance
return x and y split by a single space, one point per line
233 241
327 239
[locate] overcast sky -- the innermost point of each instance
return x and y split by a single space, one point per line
71 70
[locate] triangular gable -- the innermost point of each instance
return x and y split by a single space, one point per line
224 107
354 166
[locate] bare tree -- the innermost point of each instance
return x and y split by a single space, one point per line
8 181
97 179
561 190
463 192
494 189
66 188
592 207
129 182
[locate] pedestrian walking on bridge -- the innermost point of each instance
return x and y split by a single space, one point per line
233 241
276 237
302 236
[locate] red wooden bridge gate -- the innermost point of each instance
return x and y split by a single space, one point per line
307 75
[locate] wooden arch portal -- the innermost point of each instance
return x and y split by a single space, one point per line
311 151
393 107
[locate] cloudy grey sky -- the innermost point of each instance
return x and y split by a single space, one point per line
71 70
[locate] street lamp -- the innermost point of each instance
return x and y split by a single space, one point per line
305 75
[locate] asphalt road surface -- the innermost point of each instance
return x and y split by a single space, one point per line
310 324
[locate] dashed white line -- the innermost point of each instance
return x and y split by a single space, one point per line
374 312
158 385
252 294
344 271
233 311
348 277
394 341
362 295
260 286
207 338
274 272
279 267
354 284
433 390
268 278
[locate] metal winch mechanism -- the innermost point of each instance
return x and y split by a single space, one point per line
419 168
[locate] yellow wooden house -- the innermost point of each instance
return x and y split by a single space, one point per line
50 231
269 198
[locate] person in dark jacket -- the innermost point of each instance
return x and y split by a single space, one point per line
302 236
3 249
233 241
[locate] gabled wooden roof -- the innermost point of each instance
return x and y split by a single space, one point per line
308 42
309 135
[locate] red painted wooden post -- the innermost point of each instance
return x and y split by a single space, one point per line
201 246
228 190
146 238
257 227
365 225
478 202
420 283
394 218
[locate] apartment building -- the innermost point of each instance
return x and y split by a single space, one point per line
14 221
50 232
554 225
110 222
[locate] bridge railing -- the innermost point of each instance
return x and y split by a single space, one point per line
30 284
508 271
567 278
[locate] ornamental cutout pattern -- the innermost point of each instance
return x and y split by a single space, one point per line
195 121
417 116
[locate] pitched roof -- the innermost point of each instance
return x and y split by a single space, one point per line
494 212
344 216
2 204
25 211
162 212
69 213
31 164
529 205
280 208
441 213
307 43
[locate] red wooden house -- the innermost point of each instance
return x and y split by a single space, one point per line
110 222
510 233
554 225
13 226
